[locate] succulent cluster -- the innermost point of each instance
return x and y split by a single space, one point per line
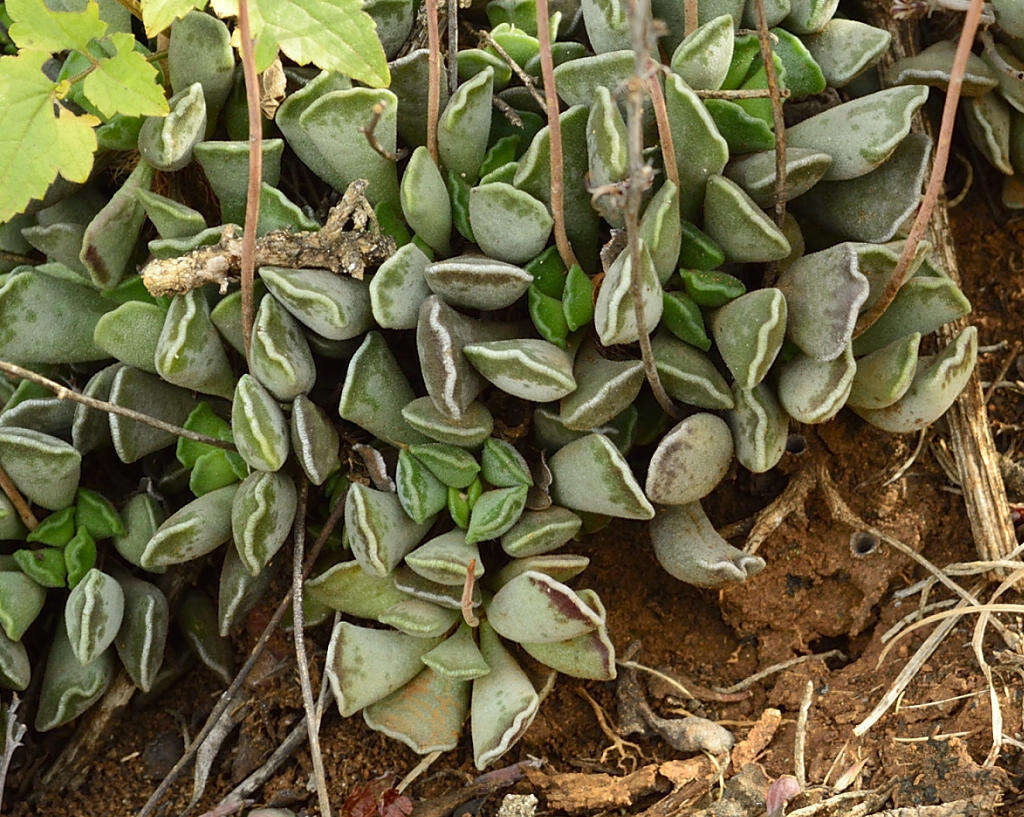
992 92
501 386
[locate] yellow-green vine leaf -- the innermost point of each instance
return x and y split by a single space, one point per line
125 83
159 14
335 35
38 28
35 143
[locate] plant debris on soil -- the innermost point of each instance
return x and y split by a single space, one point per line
817 595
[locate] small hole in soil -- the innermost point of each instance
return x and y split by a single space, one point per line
862 543
824 643
796 444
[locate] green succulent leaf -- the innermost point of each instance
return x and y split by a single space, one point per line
55 530
45 566
79 557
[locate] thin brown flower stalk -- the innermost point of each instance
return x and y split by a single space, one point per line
252 193
433 78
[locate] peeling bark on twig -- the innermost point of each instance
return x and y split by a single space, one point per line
332 247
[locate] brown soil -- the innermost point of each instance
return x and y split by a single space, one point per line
815 595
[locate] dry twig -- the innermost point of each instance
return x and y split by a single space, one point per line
369 130
64 393
764 38
14 731
332 247
467 596
229 694
799 766
433 78
252 193
28 518
748 682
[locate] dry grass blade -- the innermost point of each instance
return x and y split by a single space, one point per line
14 731
547 70
433 78
252 194
934 188
690 17
767 55
298 631
799 745
466 602
228 695
748 682
64 393
668 148
452 10
18 501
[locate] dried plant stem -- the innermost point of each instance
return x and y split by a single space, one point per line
252 193
934 188
748 682
370 132
799 745
467 595
18 501
485 38
13 734
690 17
668 148
452 10
433 78
424 764
997 58
299 634
739 93
229 694
637 183
547 70
64 393
765 40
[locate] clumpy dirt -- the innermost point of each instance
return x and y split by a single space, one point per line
814 596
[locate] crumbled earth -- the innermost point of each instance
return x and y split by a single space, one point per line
816 595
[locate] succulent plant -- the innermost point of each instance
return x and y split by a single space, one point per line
497 382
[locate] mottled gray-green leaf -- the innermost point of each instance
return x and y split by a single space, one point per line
398 288
932 66
884 376
375 392
527 368
495 512
607 24
15 668
604 387
861 134
93 615
589 474
281 358
45 469
189 352
334 306
591 655
149 395
197 619
701 152
21 600
142 516
109 240
69 688
614 311
421 493
844 49
193 531
409 83
400 715
739 226
419 618
807 16
48 320
464 127
503 702
938 381
261 517
562 567
365 665
259 426
539 532
378 529
688 374
91 428
748 332
60 243
477 282
314 440
508 224
690 549
131 333
702 59
690 461
988 124
425 202
200 51
813 391
755 173
922 305
288 120
394 19
171 218
167 142
469 431
759 428
823 326
143 634
226 165
239 591
533 607
349 589
458 656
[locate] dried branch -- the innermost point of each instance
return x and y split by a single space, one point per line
481 786
369 130
740 93
229 694
764 38
13 733
252 193
668 148
332 247
485 38
28 518
298 632
547 70
748 682
64 393
433 78
934 188
690 17
467 595
799 744
452 10
639 181
507 111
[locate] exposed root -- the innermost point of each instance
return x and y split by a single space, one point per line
619 744
790 501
